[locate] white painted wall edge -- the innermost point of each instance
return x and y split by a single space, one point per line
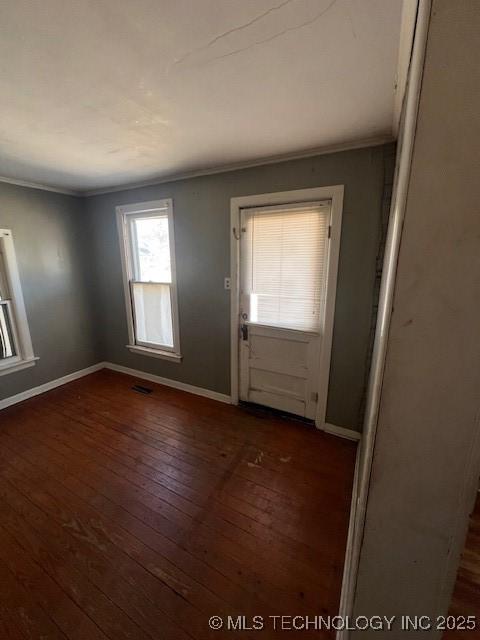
47 386
407 31
395 226
349 549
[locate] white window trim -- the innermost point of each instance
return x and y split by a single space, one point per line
122 213
333 193
21 332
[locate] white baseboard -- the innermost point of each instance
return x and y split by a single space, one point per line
35 391
174 384
182 386
349 434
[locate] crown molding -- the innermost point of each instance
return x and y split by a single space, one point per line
37 185
309 153
317 151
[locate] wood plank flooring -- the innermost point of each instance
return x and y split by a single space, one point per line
135 517
466 595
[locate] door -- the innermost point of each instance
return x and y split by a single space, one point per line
283 273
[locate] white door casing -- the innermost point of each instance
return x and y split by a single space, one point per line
283 248
282 367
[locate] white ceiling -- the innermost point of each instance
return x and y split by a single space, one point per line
97 93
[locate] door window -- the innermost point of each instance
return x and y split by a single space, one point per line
284 265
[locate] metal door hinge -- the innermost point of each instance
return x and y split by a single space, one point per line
329 231
237 234
314 396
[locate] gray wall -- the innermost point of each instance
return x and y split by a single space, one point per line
202 219
426 460
54 263
69 261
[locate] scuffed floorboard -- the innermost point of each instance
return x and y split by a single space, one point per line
131 516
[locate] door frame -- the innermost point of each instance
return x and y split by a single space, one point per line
333 193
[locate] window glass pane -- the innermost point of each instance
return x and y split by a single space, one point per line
7 347
286 253
153 313
152 248
4 295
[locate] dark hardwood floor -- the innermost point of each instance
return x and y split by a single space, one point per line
466 595
129 516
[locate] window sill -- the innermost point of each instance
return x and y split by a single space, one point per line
17 366
154 353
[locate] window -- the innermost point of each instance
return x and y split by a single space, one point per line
284 264
15 344
148 259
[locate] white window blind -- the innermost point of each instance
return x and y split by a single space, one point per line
284 264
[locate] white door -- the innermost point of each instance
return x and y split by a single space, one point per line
283 272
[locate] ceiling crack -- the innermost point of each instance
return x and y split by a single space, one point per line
230 31
277 35
257 43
